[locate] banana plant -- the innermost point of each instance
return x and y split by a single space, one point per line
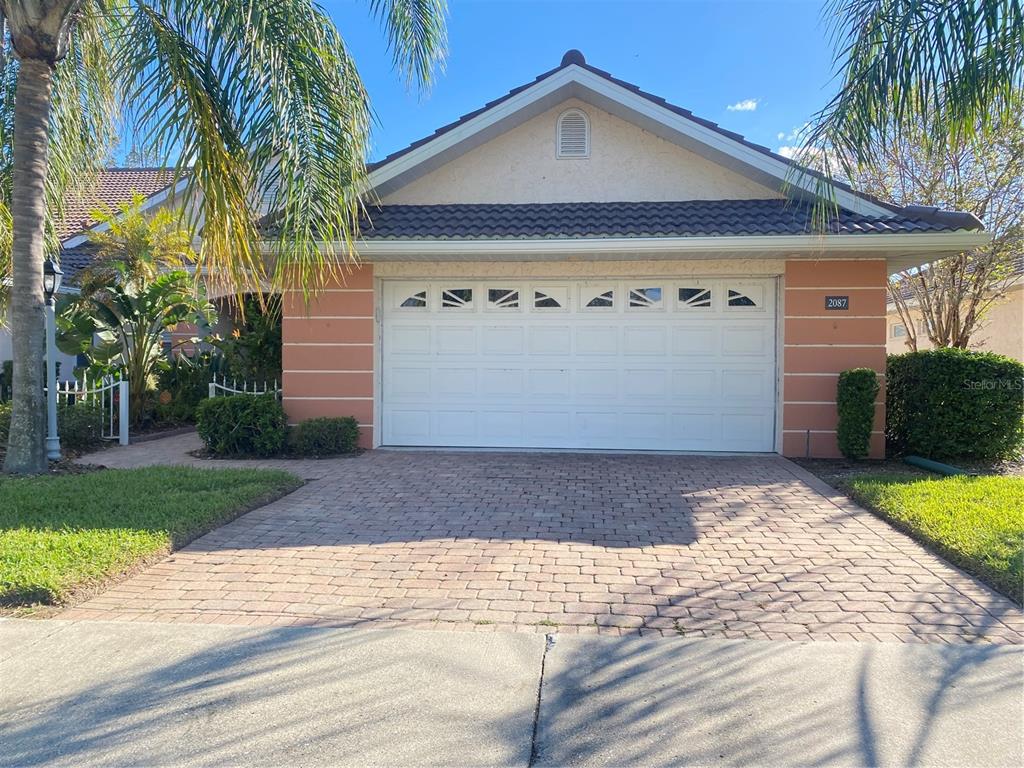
123 325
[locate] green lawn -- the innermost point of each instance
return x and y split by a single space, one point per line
975 522
61 533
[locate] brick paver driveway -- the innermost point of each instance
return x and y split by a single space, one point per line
724 546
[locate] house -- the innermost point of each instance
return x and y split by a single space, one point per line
1001 330
581 264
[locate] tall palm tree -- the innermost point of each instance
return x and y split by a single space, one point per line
260 98
955 67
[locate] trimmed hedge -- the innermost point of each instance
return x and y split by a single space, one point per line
857 390
955 404
242 425
324 436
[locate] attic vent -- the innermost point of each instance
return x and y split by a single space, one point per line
573 134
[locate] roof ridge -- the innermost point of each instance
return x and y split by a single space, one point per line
574 57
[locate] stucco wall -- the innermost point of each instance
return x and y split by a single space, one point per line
327 353
625 163
1002 330
819 344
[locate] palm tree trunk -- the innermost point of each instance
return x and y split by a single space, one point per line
26 447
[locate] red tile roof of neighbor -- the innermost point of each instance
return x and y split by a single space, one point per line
113 187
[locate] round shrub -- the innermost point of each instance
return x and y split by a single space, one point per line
955 404
324 437
857 390
242 425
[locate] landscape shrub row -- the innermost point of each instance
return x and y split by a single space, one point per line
255 425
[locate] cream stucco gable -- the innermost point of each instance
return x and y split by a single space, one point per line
626 163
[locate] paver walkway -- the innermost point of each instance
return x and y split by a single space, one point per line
730 546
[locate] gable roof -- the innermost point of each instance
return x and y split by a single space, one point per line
575 78
686 218
113 187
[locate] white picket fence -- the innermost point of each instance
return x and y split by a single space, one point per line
109 394
246 388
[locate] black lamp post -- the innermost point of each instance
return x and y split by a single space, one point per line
52 275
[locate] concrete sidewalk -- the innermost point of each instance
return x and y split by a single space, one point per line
98 693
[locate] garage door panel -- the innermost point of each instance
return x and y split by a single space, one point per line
645 340
674 374
502 382
408 426
408 339
646 384
502 341
695 340
695 384
745 340
748 384
599 340
506 426
596 383
550 340
548 383
456 340
455 424
407 383
455 382
547 429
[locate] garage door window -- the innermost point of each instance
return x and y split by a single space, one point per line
457 298
746 298
598 298
416 300
550 298
502 298
694 298
645 298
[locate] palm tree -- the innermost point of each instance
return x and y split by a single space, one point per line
953 66
259 97
135 246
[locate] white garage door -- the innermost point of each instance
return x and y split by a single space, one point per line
640 364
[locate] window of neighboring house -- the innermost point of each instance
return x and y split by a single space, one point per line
899 330
167 343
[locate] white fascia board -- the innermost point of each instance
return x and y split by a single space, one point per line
919 244
578 77
150 202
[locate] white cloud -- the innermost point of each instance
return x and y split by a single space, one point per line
747 105
789 152
780 135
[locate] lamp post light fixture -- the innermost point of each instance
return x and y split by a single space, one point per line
52 275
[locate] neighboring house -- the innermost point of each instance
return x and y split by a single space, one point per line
580 264
113 187
1001 330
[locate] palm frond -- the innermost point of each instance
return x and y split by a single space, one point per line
416 34
953 67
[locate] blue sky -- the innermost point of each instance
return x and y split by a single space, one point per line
704 56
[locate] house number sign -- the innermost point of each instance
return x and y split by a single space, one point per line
837 302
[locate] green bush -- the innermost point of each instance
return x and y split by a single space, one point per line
79 426
242 425
955 404
324 437
6 380
183 383
855 400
